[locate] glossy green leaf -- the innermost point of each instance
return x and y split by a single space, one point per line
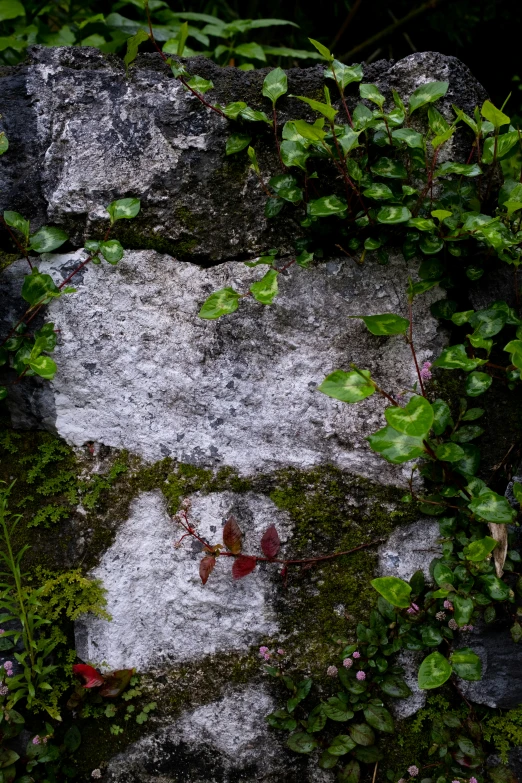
488 323
466 664
327 760
434 671
133 44
396 687
361 733
351 773
47 239
379 718
3 392
221 302
378 191
43 366
467 433
493 508
437 122
11 9
15 220
396 591
415 419
322 49
391 215
349 141
326 206
251 51
371 93
344 74
348 386
266 289
237 142
456 358
275 85
38 287
341 745
111 250
293 153
479 550
337 710
494 115
385 324
396 447
477 383
495 588
308 131
322 108
449 452
441 416
505 143
473 413
387 167
411 138
442 574
461 318
285 186
302 742
123 208
200 85
463 608
234 109
462 169
427 93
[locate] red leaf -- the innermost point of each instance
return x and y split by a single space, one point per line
206 567
243 565
232 536
91 678
116 682
270 542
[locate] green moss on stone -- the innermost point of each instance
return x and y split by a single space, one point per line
6 259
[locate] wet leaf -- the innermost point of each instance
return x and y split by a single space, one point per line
232 535
243 565
434 671
415 419
206 567
347 386
396 591
270 543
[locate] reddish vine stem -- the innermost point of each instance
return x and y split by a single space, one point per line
343 99
413 353
278 146
22 249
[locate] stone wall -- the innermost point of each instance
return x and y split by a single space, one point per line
225 412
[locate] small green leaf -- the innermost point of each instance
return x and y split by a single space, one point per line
396 591
370 92
72 739
410 137
443 575
456 358
494 115
463 609
3 392
449 452
326 206
434 671
123 208
237 142
341 745
385 324
221 302
473 414
415 419
266 289
323 108
43 366
200 85
301 742
251 51
252 115
47 239
395 446
379 718
10 9
4 143
285 186
348 386
505 144
477 551
427 93
361 733
336 709
111 250
493 508
378 191
466 664
275 85
441 416
293 153
467 433
462 169
326 53
15 220
38 287
132 47
234 109
344 74
477 383
307 131
495 588
387 167
391 215
430 244
396 687
327 761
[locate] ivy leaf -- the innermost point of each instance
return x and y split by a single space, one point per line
285 186
379 718
275 85
111 250
221 302
395 446
385 324
449 452
361 733
270 543
233 110
123 208
477 383
341 745
467 664
237 142
232 536
347 386
43 366
387 167
415 419
456 358
37 287
396 591
463 609
302 742
132 48
323 108
326 206
266 289
434 671
427 93
243 565
206 567
493 508
392 215
411 138
370 92
47 239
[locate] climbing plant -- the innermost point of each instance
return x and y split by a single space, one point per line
374 178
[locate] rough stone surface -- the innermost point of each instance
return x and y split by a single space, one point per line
82 134
410 548
139 370
154 590
222 742
501 683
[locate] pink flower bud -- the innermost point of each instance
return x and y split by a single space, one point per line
347 663
356 654
360 676
332 671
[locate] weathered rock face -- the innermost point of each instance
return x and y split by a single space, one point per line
138 371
